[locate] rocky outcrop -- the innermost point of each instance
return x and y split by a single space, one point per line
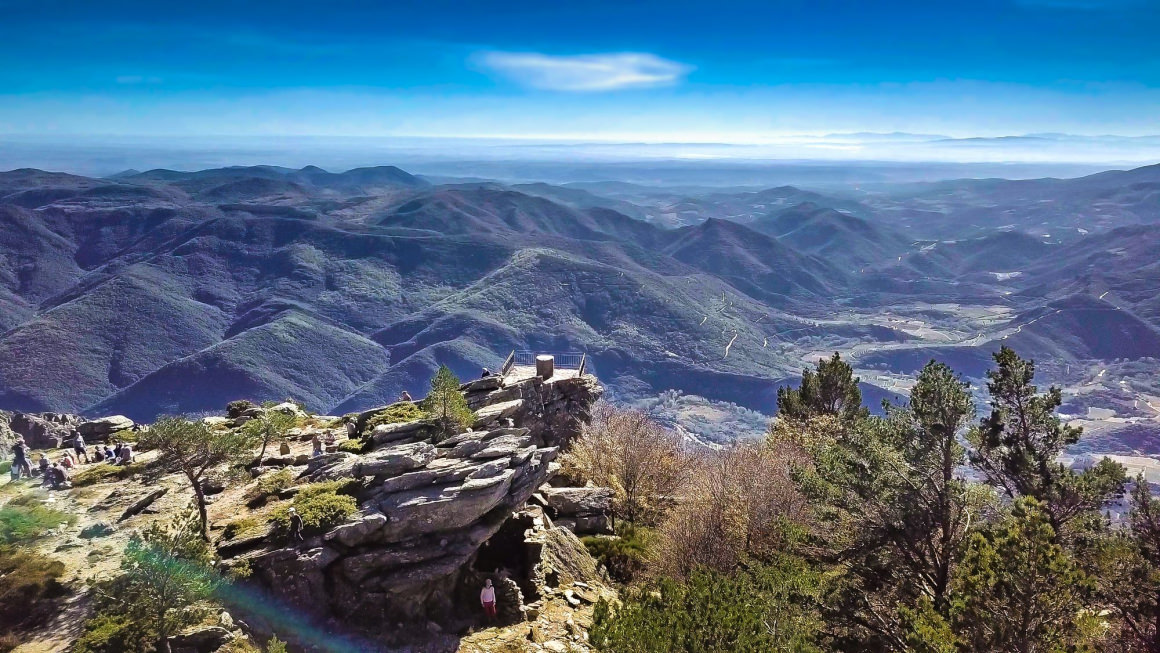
426 507
553 410
42 430
582 510
55 430
99 430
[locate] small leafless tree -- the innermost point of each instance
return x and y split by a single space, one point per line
738 504
643 462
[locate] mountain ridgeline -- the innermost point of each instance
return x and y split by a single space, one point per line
164 291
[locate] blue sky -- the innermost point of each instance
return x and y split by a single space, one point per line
666 71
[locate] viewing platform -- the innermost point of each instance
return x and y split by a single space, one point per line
524 364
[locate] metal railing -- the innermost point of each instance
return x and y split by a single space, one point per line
527 358
507 364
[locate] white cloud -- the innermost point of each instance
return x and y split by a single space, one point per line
585 72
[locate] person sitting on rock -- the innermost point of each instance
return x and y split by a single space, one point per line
486 373
284 449
43 464
66 461
117 449
110 455
406 396
126 457
58 477
295 525
98 454
487 599
80 448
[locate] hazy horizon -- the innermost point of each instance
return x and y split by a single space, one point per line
1024 81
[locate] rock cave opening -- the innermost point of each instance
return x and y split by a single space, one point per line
506 554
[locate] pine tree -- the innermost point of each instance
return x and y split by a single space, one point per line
195 450
1129 574
270 426
1016 446
446 404
165 574
897 515
1020 591
831 390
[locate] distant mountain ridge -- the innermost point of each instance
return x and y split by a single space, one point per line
166 291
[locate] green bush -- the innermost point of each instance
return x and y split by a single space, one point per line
716 612
403 411
624 556
111 633
321 505
5 466
240 527
26 518
352 446
102 473
270 484
125 435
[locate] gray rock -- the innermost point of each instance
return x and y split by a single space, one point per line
430 508
482 384
418 512
100 429
143 503
328 460
494 412
571 501
387 433
202 640
44 430
99 529
359 532
393 461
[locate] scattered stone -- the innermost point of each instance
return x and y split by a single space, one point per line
212 486
202 640
570 597
99 529
144 502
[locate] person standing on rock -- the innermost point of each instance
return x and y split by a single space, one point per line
295 525
80 448
316 442
20 459
487 599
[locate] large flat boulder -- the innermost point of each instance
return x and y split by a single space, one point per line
102 428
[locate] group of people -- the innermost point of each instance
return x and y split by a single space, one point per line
322 444
57 474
